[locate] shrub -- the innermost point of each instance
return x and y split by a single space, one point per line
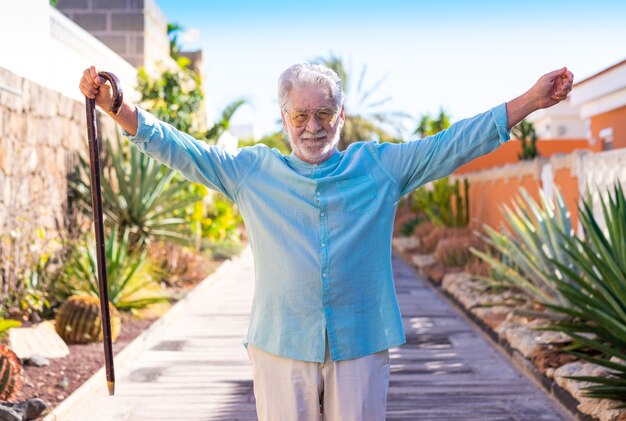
443 203
595 311
131 285
177 264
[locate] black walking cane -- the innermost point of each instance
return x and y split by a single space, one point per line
94 160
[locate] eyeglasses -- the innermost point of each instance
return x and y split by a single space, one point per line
299 118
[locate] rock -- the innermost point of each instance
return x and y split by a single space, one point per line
63 383
8 414
549 337
492 316
22 411
520 337
37 360
35 407
41 339
434 272
602 409
405 243
423 260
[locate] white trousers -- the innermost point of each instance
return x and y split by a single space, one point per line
292 390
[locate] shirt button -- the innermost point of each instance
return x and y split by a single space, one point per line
317 193
324 305
324 274
323 244
323 214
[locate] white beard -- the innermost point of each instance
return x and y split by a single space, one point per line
310 148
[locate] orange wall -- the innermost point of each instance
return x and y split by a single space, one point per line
615 119
487 197
568 186
507 153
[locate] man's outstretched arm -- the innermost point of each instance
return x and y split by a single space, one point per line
549 90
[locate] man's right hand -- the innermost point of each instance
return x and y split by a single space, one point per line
95 87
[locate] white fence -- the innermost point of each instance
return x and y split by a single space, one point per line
41 44
598 174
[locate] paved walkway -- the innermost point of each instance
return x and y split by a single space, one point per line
192 366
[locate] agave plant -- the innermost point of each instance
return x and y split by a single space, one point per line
129 284
140 196
529 247
596 313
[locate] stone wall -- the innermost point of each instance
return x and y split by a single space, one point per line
42 134
134 29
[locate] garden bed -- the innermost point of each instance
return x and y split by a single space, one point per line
58 380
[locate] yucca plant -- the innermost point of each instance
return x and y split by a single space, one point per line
129 284
596 313
141 195
527 247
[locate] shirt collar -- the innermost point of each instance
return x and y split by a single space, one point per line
297 162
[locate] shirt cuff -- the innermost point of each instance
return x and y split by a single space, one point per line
501 120
146 124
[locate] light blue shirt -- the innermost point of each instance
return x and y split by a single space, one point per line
321 234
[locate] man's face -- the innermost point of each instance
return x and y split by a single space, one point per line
315 140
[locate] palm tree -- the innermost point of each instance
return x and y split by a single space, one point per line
429 125
364 119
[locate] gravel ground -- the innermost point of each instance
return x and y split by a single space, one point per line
55 382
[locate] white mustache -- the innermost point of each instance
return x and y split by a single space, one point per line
313 136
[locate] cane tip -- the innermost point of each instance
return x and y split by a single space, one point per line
111 386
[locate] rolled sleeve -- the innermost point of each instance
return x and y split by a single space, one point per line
414 163
198 161
502 122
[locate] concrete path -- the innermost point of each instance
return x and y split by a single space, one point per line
192 365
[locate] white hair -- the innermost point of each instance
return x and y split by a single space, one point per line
307 74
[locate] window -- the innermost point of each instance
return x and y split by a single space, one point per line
606 137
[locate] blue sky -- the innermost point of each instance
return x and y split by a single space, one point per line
463 56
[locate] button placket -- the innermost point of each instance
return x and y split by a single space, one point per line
324 257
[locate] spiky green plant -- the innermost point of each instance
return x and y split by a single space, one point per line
527 245
130 286
140 194
596 313
436 202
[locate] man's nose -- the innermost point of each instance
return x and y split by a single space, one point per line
313 125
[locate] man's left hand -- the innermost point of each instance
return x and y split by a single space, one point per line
552 87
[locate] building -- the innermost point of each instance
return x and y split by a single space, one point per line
135 29
601 99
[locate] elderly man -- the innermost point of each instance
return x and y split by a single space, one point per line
320 221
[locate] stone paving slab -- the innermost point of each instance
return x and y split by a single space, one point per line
194 367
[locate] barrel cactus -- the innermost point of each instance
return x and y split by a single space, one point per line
78 321
10 374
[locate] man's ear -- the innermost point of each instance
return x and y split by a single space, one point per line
342 118
282 116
